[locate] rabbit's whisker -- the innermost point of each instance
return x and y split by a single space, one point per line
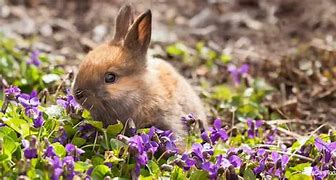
84 101
91 107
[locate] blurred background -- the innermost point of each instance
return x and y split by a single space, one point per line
250 28
289 43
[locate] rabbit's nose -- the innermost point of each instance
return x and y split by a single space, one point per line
79 94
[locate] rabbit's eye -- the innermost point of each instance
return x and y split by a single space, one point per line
110 77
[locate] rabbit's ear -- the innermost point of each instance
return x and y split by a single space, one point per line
139 35
123 22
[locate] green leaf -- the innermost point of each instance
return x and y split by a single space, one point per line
19 125
6 131
81 166
116 144
59 149
96 124
4 157
249 175
177 49
115 129
225 58
199 175
154 169
97 160
300 177
222 92
300 167
178 174
78 141
100 171
9 146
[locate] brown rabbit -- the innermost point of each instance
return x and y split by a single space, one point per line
117 82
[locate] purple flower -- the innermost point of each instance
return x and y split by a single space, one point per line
187 162
49 152
38 122
270 137
108 164
260 168
188 121
205 137
34 58
319 174
167 140
30 150
237 73
31 102
305 150
61 136
279 164
87 131
141 146
211 168
253 127
69 164
68 102
325 148
57 167
235 161
217 132
73 151
222 161
12 91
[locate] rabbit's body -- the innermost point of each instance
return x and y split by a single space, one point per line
117 82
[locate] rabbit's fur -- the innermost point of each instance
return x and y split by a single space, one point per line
148 91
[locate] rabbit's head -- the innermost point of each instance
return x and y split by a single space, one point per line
112 81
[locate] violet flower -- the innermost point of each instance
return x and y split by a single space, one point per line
188 121
68 102
187 162
61 137
253 127
260 168
12 92
213 168
87 131
205 137
30 150
49 152
34 58
260 156
167 139
57 167
325 148
217 132
69 164
73 151
31 102
201 153
235 161
279 164
38 122
140 146
319 174
238 73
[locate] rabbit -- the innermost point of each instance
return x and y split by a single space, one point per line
116 81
